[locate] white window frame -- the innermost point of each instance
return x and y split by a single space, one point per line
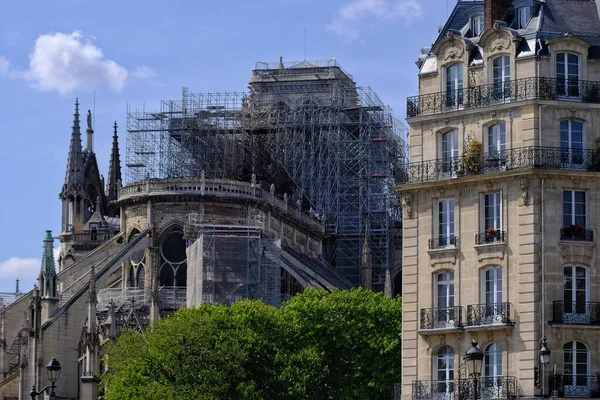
448 281
572 390
458 82
587 207
498 355
477 24
436 220
498 290
448 393
449 164
574 316
482 207
501 88
523 20
565 80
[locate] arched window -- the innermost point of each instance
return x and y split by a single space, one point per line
454 85
173 259
501 78
444 300
568 75
576 294
477 24
576 359
493 387
141 276
443 366
491 291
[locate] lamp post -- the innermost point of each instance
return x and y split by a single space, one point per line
53 370
544 359
474 359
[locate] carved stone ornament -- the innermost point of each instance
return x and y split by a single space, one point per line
525 191
454 52
408 198
500 42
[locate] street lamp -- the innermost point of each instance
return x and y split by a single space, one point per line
53 370
544 359
474 359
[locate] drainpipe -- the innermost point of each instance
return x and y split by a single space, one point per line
541 369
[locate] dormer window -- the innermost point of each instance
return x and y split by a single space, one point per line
477 25
523 17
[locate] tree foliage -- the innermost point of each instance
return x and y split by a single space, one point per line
318 345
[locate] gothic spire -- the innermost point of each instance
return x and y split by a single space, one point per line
74 175
47 279
114 169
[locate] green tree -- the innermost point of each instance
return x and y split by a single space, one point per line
212 352
341 345
318 345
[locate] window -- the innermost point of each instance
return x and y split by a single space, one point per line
493 310
477 24
576 294
501 78
493 211
445 223
449 153
443 366
576 369
492 372
574 209
567 75
571 143
454 85
444 300
495 159
523 17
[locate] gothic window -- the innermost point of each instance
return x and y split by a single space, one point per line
173 271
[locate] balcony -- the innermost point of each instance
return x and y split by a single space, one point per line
489 315
517 159
501 387
91 240
441 318
490 237
576 234
442 242
575 313
571 386
535 88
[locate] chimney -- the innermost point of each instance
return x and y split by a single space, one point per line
494 10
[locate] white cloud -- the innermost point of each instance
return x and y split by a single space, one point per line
346 22
69 62
144 72
4 66
22 268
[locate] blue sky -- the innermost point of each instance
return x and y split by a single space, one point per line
137 52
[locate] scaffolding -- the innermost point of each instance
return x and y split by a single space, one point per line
304 128
235 262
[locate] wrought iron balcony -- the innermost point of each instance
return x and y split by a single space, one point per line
500 387
441 318
534 88
489 314
575 313
521 158
577 234
490 236
569 386
442 242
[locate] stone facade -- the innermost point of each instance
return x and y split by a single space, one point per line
495 241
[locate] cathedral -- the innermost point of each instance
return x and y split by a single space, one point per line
201 230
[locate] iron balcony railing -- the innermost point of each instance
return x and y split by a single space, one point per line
441 242
571 386
534 88
487 237
489 314
441 318
496 387
577 234
576 313
520 158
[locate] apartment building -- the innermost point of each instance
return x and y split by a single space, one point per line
502 203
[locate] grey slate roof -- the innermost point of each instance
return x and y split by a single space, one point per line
579 17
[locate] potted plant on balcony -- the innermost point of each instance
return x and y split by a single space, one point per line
574 231
472 160
492 235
